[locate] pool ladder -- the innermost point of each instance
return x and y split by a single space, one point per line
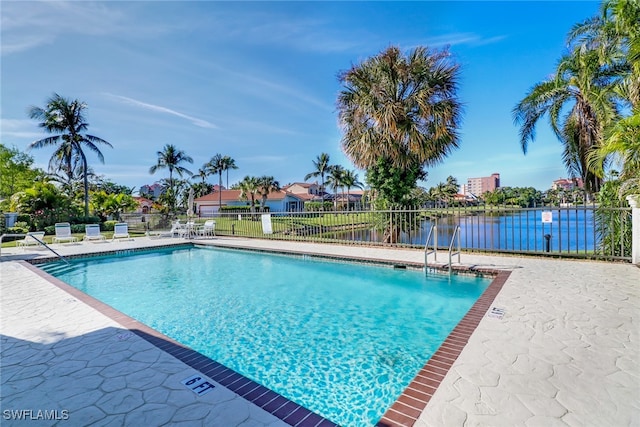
432 238
34 238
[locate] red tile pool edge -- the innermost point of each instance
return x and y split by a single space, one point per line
404 411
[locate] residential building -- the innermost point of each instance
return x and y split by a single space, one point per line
154 190
290 198
144 205
567 184
479 186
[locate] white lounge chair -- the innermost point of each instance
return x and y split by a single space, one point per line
208 229
92 232
63 233
176 230
31 239
121 231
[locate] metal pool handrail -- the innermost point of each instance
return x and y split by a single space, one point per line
34 238
456 232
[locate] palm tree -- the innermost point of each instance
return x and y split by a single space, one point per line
615 35
349 181
335 179
322 167
171 158
66 119
266 185
228 163
216 166
400 108
203 173
248 189
584 88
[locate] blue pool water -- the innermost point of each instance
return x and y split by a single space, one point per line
341 339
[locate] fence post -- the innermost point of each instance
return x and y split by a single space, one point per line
634 201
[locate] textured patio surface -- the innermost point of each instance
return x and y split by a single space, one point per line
566 352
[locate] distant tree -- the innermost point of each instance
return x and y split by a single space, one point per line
203 174
349 181
171 158
266 185
65 119
322 168
335 180
228 163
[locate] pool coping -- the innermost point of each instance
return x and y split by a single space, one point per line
405 411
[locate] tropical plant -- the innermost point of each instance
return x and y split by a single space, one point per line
65 119
266 185
622 143
249 187
321 169
403 109
111 204
613 226
16 173
587 90
45 203
172 158
614 35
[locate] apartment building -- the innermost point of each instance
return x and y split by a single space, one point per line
479 186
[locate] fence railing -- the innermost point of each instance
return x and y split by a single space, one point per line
585 231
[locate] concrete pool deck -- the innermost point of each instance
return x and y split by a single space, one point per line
565 352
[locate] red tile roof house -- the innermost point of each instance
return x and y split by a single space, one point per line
290 199
144 205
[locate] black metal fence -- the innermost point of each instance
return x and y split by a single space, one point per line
576 231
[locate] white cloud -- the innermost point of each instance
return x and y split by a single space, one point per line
19 128
130 101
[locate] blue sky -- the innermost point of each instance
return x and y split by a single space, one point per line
257 81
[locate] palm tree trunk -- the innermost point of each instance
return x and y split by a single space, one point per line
219 189
86 186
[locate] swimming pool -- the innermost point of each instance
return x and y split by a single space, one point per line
341 339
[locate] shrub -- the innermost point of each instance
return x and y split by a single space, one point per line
20 227
108 225
84 220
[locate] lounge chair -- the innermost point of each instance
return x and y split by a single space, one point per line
31 239
63 233
177 229
92 232
121 231
208 229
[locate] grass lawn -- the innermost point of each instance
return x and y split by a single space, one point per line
49 239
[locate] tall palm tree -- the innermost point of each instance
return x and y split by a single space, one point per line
249 187
266 185
65 118
322 167
400 108
335 179
349 181
216 166
580 101
171 158
228 163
